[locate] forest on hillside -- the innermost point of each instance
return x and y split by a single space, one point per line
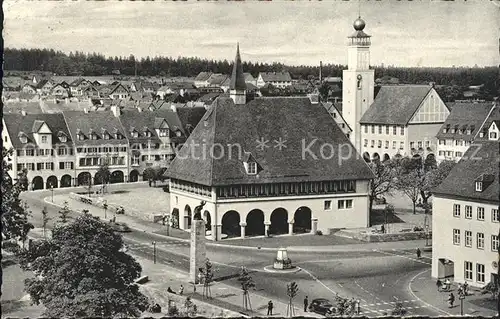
93 64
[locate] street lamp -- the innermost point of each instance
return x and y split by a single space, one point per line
168 224
52 190
105 207
154 252
461 296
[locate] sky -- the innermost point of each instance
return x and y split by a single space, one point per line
404 33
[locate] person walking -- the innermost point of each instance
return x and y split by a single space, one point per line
270 308
438 284
419 253
451 300
181 290
306 303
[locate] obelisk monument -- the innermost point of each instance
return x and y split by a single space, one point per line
198 252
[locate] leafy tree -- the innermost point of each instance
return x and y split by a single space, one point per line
64 213
385 179
291 292
81 272
410 184
45 219
208 276
190 307
22 179
247 283
104 175
434 177
153 174
15 224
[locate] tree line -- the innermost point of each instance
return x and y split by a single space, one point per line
94 64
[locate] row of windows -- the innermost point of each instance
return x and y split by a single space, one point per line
420 144
39 166
286 189
379 144
480 272
457 142
110 149
40 152
191 187
161 157
384 129
450 153
341 204
495 217
479 239
96 161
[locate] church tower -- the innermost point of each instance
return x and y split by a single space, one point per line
358 81
238 87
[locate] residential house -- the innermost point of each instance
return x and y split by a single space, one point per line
487 126
201 79
403 120
277 79
465 219
28 88
336 114
460 129
78 86
43 146
44 87
99 138
60 90
119 92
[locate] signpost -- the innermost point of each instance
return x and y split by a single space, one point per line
461 296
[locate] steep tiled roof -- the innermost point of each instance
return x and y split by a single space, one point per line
237 77
480 161
276 76
395 104
18 107
493 116
93 121
172 118
190 116
464 116
295 121
217 79
18 124
203 76
140 120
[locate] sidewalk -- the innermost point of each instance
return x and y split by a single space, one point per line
475 304
296 243
226 300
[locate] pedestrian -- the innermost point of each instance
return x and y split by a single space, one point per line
419 253
438 284
270 308
451 300
306 303
181 290
466 286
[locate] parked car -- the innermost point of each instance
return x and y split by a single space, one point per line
322 306
120 227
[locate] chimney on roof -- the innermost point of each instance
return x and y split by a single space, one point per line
238 86
23 113
116 110
320 72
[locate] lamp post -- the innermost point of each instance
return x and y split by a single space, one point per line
52 190
168 224
105 207
461 296
154 252
426 235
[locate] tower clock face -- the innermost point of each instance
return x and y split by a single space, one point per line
359 77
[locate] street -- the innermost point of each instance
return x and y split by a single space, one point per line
378 278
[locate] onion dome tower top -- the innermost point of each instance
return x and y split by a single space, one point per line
359 37
359 24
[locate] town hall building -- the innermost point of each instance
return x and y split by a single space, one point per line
276 165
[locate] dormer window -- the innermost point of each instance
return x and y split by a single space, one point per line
453 131
252 168
93 136
163 132
63 139
178 133
479 186
23 139
493 136
80 137
467 132
105 136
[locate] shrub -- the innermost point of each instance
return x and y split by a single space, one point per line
173 311
319 232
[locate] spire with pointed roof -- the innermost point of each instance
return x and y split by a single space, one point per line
237 87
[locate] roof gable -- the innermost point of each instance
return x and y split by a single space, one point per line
467 117
431 110
395 105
